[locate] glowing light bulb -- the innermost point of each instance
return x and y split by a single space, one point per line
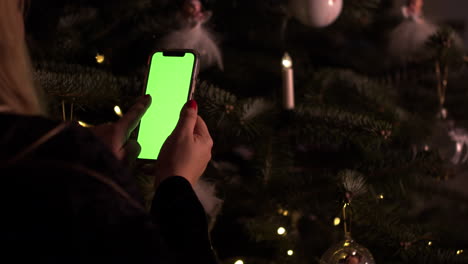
459 252
290 252
83 124
118 111
281 231
337 221
287 61
100 58
429 243
285 213
381 197
239 262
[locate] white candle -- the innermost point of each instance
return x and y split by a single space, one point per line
288 82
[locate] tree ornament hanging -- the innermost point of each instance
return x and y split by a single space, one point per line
192 34
450 139
408 38
348 251
315 13
407 41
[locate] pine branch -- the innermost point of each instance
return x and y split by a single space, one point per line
89 89
235 118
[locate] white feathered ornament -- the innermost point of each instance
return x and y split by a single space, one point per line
206 193
407 40
192 34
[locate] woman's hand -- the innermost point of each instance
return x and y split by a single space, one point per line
115 135
187 150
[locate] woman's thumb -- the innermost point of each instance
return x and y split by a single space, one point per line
188 117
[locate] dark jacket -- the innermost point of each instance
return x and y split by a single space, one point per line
66 199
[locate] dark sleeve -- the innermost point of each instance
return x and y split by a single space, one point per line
182 221
61 213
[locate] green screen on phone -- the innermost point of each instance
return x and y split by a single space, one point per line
169 84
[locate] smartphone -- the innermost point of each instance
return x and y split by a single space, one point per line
171 83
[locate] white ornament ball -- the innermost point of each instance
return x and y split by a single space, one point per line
316 13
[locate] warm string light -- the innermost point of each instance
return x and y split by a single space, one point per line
337 221
83 124
429 243
118 111
381 197
283 212
459 252
100 58
287 61
290 252
281 231
239 262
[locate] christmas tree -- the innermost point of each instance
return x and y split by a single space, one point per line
321 133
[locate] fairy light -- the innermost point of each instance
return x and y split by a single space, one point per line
287 61
459 252
337 221
240 261
281 231
429 243
83 124
381 196
285 213
118 111
290 252
100 58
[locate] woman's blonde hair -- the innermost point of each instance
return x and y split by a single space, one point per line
17 91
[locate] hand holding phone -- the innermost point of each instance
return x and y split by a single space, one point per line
187 151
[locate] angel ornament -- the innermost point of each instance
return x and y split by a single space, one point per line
192 34
408 38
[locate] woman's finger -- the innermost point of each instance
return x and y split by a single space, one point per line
188 118
130 151
132 118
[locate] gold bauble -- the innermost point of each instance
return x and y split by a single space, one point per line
347 252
